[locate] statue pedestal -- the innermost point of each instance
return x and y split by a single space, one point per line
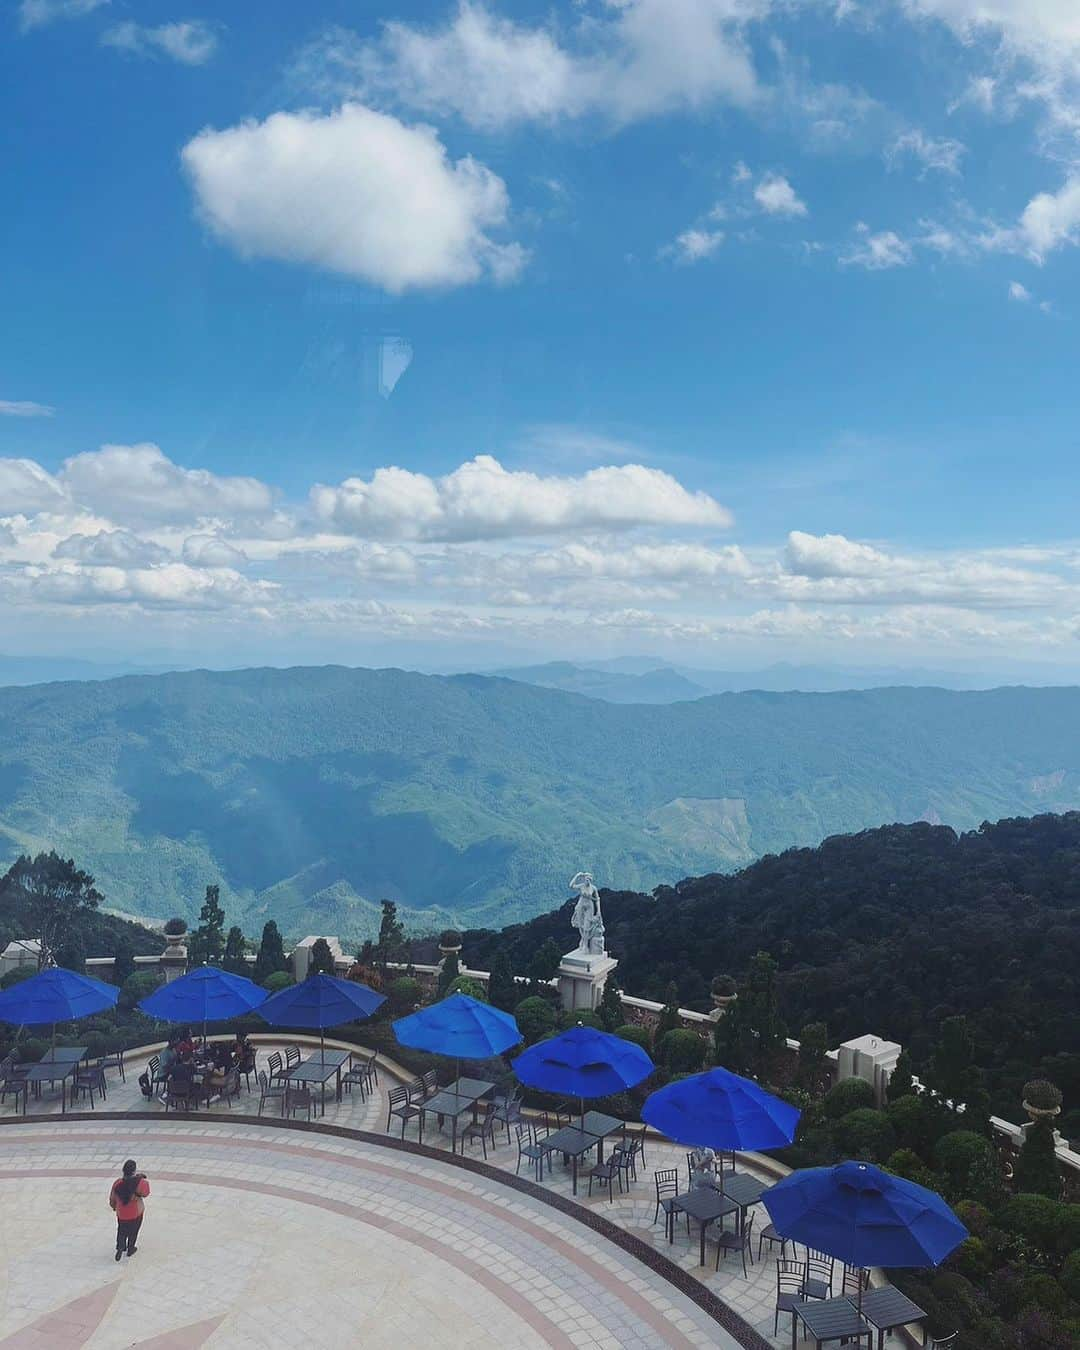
581 977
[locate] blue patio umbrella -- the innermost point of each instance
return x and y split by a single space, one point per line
460 1027
55 995
583 1062
319 1002
205 994
720 1110
863 1216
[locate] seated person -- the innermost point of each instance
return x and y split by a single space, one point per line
182 1074
185 1046
166 1060
221 1054
703 1169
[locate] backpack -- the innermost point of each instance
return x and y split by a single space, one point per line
144 1085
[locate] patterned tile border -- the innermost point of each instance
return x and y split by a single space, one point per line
654 1260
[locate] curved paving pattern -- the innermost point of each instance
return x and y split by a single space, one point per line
261 1236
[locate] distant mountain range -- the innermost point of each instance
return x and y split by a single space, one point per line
643 680
309 794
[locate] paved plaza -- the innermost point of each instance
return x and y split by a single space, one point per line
267 1236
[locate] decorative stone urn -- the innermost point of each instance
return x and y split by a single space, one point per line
723 994
450 944
175 956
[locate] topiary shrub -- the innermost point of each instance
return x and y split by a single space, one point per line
972 1259
175 927
570 1017
956 1153
277 980
723 986
907 1164
639 1035
865 1134
449 937
1037 1169
1042 1095
916 1122
136 987
535 1018
405 993
853 1094
1050 1225
681 1051
465 984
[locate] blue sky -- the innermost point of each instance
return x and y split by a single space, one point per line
760 317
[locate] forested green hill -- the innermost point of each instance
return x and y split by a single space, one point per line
309 794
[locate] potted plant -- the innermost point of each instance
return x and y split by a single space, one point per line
449 941
1042 1100
723 990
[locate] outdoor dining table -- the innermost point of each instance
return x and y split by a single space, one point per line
65 1054
887 1308
596 1123
744 1189
704 1204
830 1319
43 1072
573 1143
313 1070
456 1100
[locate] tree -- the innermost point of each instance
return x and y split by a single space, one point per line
1037 1169
207 944
277 980
502 987
752 1029
901 1083
865 1134
639 1035
71 954
234 959
813 1066
448 974
681 1050
271 955
405 994
535 1018
956 1154
545 962
850 1094
611 1008
55 894
669 1013
392 945
123 960
322 958
952 1069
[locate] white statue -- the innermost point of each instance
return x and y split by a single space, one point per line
587 918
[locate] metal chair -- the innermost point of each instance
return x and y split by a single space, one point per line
401 1105
11 1085
819 1274
299 1099
248 1064
230 1089
790 1278
772 1237
292 1056
627 1155
738 1241
113 1061
430 1082
357 1075
182 1096
508 1112
855 1281
88 1081
276 1065
482 1129
635 1140
607 1171
667 1188
529 1146
268 1091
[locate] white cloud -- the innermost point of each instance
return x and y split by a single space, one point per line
940 153
355 192
38 13
210 550
482 500
139 483
877 252
634 59
693 245
26 486
192 42
169 586
776 197
117 548
1052 219
1018 291
830 555
24 408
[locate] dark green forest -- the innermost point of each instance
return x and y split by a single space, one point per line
889 931
308 795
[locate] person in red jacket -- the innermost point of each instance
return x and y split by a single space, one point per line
126 1200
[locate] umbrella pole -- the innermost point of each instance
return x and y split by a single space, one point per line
322 1045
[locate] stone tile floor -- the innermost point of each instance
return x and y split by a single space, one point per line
257 1235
